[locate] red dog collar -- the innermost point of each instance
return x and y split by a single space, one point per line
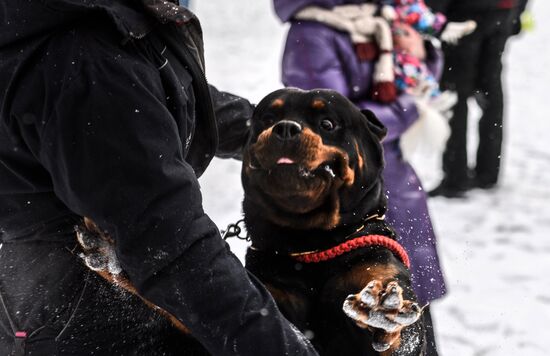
353 244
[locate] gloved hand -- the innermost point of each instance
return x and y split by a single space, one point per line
388 13
454 31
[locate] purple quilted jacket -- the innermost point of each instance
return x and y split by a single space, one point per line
317 56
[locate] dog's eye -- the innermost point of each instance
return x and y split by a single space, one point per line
327 125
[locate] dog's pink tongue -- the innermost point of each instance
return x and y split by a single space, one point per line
285 160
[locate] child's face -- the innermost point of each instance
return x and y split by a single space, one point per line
406 39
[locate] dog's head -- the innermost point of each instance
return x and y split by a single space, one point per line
313 161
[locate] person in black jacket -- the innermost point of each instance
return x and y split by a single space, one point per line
473 68
106 113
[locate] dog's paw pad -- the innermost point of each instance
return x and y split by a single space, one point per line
95 261
87 240
380 346
408 314
370 295
393 296
351 310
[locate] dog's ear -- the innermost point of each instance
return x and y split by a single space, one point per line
374 125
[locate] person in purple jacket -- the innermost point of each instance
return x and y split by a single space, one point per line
318 56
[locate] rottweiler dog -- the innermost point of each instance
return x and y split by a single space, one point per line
313 207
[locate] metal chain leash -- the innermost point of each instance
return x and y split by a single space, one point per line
235 230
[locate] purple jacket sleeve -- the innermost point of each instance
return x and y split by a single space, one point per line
397 116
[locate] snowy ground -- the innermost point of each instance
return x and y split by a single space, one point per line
495 246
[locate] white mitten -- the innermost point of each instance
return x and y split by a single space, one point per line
388 13
454 31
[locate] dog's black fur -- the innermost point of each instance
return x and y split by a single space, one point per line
312 176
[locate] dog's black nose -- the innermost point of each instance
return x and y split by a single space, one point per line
287 129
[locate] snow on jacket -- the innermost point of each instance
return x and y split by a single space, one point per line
317 56
102 117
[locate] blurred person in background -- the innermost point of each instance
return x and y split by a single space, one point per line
473 68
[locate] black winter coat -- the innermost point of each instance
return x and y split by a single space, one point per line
105 113
452 7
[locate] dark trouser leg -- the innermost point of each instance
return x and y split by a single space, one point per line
490 99
431 347
455 158
68 310
459 76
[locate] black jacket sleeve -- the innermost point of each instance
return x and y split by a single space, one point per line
233 115
114 154
439 5
522 5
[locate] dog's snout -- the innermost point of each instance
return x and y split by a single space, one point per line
287 129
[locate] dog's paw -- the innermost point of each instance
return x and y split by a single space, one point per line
98 251
382 309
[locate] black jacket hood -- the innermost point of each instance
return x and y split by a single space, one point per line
22 19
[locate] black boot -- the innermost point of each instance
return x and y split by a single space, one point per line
444 189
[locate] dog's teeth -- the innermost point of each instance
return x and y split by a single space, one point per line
329 170
304 173
251 166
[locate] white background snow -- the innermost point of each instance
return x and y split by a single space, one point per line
494 246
